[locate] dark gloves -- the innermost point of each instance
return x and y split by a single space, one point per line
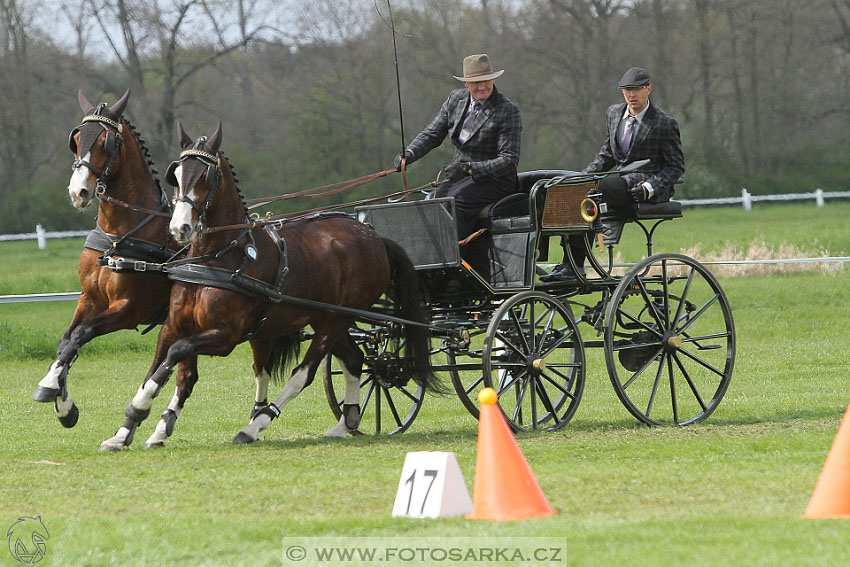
640 193
457 170
403 154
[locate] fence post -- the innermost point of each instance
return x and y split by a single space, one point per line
41 236
746 199
819 197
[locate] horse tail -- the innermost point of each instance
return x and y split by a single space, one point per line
406 292
284 351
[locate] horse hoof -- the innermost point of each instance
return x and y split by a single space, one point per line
154 444
45 395
242 439
70 419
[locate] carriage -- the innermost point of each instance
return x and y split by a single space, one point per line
664 323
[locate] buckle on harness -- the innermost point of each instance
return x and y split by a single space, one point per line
140 266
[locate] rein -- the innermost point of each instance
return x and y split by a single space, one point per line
324 191
278 219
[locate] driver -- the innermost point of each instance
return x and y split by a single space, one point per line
484 127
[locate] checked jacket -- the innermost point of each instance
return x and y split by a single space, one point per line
492 150
657 139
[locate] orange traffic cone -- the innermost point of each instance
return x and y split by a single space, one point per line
831 497
504 487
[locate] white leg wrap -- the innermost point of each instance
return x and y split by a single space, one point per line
262 379
160 434
352 386
290 391
352 396
62 407
143 400
51 379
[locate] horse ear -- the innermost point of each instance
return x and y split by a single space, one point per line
185 139
214 141
118 108
84 102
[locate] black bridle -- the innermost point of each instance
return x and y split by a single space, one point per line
208 165
113 145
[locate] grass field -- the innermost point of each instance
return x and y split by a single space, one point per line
726 492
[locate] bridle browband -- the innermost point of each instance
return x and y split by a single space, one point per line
113 144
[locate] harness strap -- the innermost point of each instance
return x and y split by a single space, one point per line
150 254
282 271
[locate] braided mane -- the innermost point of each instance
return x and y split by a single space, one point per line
146 154
236 183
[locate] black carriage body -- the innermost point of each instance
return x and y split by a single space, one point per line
665 325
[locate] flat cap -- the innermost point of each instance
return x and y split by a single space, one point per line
634 77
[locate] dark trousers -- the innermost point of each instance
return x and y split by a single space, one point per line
470 197
615 192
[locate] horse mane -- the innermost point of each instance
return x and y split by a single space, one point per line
236 183
146 154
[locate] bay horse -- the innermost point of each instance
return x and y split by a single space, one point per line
112 165
265 284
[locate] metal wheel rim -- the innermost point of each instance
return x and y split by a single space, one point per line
550 395
686 354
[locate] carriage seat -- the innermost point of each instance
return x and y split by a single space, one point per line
665 210
511 214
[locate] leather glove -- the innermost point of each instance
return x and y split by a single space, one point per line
640 193
401 155
457 170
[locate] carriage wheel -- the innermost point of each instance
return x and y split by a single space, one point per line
386 406
669 341
534 357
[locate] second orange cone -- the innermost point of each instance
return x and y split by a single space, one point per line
504 487
831 496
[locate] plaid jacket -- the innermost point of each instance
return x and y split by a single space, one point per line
657 139
493 148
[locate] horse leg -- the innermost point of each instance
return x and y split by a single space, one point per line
261 398
350 359
263 362
187 377
302 376
54 386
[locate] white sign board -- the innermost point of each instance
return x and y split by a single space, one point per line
431 486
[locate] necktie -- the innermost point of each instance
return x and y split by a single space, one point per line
628 132
466 130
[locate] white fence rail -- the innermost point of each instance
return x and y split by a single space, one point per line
42 235
747 199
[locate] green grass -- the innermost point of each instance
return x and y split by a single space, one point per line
729 491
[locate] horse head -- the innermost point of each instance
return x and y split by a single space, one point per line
96 142
196 176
